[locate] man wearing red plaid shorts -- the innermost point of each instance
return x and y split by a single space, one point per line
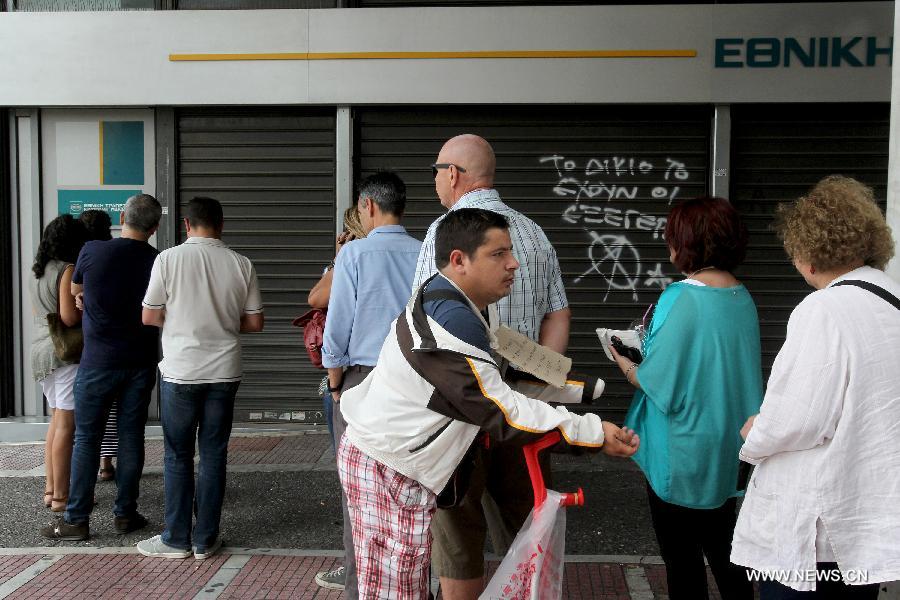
436 385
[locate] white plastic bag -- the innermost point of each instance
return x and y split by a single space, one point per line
533 567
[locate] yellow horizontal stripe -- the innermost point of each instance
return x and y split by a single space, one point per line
544 383
498 403
217 57
572 442
101 153
502 408
437 55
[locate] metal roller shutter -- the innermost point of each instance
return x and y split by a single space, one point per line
273 172
778 153
598 179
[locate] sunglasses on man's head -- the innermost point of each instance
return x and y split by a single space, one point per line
436 166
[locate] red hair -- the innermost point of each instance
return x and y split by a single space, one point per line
706 232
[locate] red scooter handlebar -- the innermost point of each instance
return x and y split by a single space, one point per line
537 478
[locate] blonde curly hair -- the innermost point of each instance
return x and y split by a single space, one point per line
837 224
352 223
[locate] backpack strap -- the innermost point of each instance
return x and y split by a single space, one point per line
875 289
444 294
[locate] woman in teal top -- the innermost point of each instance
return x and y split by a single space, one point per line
699 381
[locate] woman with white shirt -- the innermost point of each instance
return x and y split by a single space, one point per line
699 381
824 501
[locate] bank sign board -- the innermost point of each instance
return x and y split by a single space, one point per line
645 54
826 52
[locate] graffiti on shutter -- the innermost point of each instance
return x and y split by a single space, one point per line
600 190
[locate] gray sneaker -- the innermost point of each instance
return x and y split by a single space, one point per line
156 548
203 554
333 579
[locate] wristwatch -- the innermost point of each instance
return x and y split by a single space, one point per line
336 388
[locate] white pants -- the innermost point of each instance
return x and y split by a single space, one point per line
59 387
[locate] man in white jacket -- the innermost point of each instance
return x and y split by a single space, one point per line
436 385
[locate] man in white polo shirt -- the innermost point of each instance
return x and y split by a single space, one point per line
203 295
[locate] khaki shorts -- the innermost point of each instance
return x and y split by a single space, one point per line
498 500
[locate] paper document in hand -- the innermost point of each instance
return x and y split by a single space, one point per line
531 357
629 337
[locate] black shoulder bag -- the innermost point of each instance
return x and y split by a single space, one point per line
875 289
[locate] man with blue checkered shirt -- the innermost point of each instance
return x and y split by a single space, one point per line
536 307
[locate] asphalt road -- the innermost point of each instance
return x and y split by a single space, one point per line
302 510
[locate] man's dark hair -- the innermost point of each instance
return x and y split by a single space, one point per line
204 212
97 223
464 230
387 190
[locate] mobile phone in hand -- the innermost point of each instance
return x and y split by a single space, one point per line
633 354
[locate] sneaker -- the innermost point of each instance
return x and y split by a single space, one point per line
125 525
156 548
333 579
60 530
209 551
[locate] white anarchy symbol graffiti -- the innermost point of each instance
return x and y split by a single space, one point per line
607 253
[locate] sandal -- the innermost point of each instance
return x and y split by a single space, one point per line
107 474
55 501
48 502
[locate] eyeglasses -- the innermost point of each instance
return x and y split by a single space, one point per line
436 166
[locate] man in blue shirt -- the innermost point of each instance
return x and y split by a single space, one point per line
370 288
118 362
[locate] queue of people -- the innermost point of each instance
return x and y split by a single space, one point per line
428 424
699 383
201 295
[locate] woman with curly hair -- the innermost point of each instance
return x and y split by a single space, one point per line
821 510
50 293
699 381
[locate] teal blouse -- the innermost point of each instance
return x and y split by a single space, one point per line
701 378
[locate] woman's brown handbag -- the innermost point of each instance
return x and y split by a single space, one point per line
68 342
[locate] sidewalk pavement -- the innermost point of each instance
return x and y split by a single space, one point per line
281 525
259 573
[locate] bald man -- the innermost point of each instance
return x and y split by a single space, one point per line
536 307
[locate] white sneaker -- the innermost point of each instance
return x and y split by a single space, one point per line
212 549
156 548
333 579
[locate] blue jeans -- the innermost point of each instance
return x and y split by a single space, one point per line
95 391
192 413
